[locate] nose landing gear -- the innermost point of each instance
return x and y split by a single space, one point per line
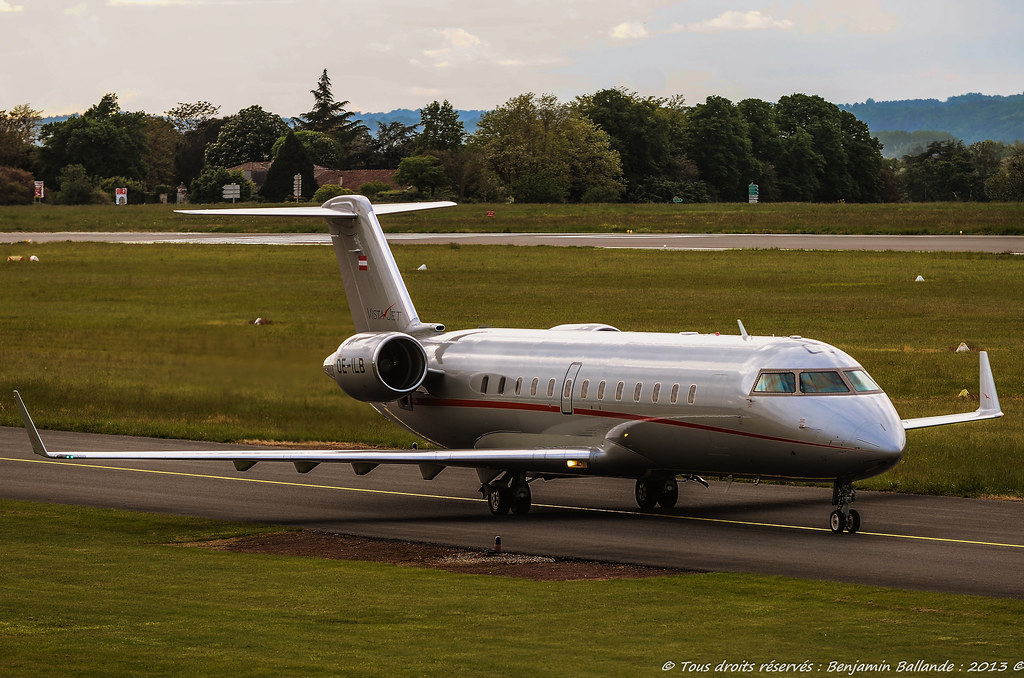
843 518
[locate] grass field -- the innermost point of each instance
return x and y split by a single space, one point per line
907 218
100 592
155 340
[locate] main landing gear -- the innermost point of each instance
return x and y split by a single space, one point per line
843 518
663 492
510 492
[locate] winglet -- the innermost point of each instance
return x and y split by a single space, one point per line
30 428
988 399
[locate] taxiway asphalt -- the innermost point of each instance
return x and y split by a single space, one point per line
944 544
662 241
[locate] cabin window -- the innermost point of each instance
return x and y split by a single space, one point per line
567 391
692 395
533 386
637 390
484 383
674 396
519 385
584 388
501 386
862 383
618 390
656 393
600 390
822 382
776 382
551 388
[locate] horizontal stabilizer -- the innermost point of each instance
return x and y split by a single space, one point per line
320 211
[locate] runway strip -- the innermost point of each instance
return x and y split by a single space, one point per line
933 543
481 501
660 241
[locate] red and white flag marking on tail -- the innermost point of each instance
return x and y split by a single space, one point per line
364 265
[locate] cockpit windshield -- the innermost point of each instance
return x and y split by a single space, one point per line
822 382
776 382
861 381
818 382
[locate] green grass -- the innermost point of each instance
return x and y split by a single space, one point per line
101 592
842 218
155 340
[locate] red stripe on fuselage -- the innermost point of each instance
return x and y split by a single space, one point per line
537 407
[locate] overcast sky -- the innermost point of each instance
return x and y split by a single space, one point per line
61 56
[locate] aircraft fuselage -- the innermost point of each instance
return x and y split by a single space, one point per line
681 403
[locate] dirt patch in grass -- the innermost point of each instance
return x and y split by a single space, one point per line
316 544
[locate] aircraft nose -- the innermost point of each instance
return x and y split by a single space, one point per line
888 437
330 368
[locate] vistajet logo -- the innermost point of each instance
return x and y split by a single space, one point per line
389 314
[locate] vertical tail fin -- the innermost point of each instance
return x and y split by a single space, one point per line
376 293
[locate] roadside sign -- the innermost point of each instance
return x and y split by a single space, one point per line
297 186
40 192
752 193
120 196
232 191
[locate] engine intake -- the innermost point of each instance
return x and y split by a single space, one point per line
378 367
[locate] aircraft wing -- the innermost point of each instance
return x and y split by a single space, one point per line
317 211
432 462
988 409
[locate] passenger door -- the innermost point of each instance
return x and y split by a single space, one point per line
567 386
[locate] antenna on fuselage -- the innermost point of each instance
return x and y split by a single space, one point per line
743 330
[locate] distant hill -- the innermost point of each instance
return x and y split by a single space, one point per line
970 117
409 117
403 115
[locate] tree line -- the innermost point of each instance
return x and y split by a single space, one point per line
610 146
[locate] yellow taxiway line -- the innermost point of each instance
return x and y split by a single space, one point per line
725 521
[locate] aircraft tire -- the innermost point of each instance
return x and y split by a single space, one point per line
646 494
669 494
837 522
854 522
521 498
499 500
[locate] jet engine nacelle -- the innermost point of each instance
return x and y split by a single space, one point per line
378 367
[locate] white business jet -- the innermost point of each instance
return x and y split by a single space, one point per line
587 400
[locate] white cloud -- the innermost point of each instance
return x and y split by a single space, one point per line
8 7
460 39
458 44
193 3
733 20
629 30
864 16
149 3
